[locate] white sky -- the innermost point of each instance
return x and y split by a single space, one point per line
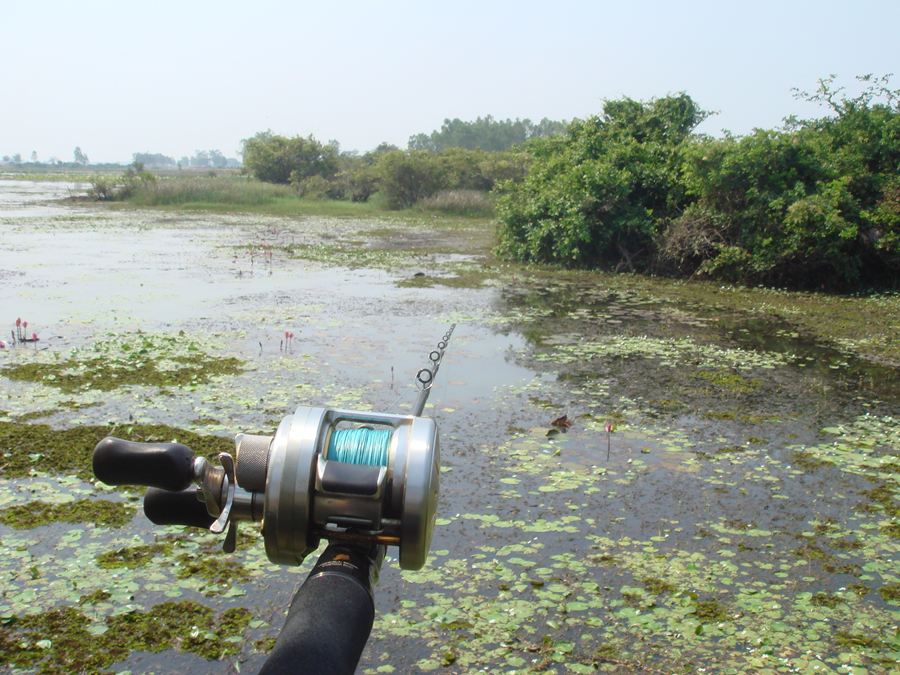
120 77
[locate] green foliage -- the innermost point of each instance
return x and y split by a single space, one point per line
278 159
485 133
405 178
599 193
816 204
111 188
227 190
812 205
155 159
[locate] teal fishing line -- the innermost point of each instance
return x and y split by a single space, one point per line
360 446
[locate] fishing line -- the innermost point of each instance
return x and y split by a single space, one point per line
363 445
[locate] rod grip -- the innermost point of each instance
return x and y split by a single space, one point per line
169 466
331 615
176 508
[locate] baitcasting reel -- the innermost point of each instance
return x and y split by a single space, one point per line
348 476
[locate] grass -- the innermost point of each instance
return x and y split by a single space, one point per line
232 190
470 203
233 193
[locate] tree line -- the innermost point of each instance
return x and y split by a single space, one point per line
460 156
813 204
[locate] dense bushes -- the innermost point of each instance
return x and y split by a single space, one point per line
813 205
404 178
599 193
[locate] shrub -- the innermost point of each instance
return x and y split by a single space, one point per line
460 202
278 159
815 204
315 187
407 177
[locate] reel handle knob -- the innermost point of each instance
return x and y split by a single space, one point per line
169 466
163 507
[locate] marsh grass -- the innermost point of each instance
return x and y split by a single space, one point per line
234 193
233 190
475 203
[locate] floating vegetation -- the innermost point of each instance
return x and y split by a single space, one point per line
147 359
133 556
352 256
28 448
67 640
670 353
98 511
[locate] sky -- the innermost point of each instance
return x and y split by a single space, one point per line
115 78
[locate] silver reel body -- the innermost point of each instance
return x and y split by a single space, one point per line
306 495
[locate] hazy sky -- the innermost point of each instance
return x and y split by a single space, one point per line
120 77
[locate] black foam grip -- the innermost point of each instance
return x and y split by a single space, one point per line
330 617
176 508
164 465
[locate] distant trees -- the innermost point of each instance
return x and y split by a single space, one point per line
153 160
408 177
403 177
209 159
485 133
79 156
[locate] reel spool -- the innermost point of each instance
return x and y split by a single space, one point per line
373 482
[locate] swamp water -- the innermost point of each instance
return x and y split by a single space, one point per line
742 515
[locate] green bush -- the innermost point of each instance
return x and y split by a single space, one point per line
278 159
600 194
815 204
407 177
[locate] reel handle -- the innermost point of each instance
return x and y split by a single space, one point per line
169 466
163 507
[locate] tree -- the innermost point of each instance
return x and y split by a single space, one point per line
152 159
34 156
80 157
601 193
279 159
485 133
217 159
406 177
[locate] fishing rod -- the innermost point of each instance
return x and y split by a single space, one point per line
360 480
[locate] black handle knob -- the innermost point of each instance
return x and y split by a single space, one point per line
169 466
176 508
